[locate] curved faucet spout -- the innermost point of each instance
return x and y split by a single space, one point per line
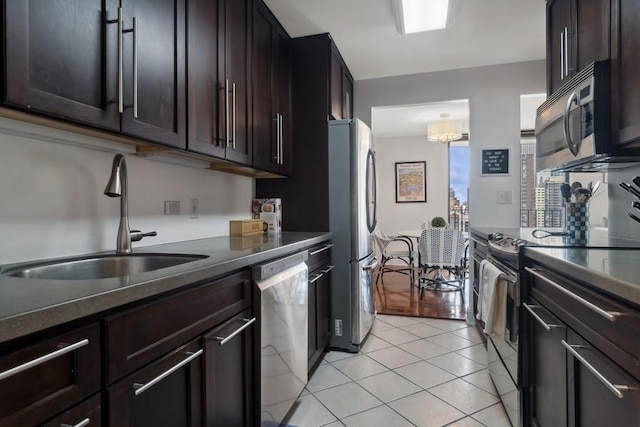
117 187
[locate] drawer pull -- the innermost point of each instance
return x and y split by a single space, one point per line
328 269
324 248
248 322
141 388
614 388
43 359
544 324
609 315
316 277
82 423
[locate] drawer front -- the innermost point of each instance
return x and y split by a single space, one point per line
319 255
610 325
47 378
86 413
142 334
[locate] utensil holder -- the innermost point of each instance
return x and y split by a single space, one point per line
577 223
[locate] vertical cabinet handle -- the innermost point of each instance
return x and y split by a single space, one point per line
120 64
135 69
281 141
42 359
82 423
226 110
561 55
233 111
224 340
277 138
566 52
141 388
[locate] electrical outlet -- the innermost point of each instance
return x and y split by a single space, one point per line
504 197
171 207
194 208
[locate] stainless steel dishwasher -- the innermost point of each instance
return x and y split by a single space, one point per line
282 294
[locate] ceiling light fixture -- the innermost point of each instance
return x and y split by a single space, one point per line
445 130
414 16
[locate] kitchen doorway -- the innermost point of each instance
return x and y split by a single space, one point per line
400 135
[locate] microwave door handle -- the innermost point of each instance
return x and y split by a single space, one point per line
567 131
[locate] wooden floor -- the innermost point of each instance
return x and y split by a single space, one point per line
393 295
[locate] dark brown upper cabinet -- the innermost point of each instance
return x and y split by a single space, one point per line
86 61
61 59
272 111
218 79
341 87
577 34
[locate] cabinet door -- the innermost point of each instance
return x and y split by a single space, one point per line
547 367
593 19
592 402
323 314
347 95
55 374
234 72
167 392
87 413
202 78
335 86
626 85
559 27
264 122
228 373
63 59
154 64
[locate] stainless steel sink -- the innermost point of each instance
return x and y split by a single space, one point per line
101 266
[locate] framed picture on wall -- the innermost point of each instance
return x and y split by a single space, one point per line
411 182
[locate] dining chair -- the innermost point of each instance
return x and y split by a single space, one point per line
394 248
442 251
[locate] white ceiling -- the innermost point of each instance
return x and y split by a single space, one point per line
479 33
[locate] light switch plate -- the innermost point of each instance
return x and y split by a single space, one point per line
503 197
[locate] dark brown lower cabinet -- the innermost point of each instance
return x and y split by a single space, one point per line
167 392
319 302
228 373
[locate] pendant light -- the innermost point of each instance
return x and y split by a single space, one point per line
445 130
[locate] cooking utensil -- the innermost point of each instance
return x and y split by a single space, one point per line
630 189
540 233
582 195
632 216
595 188
574 187
565 190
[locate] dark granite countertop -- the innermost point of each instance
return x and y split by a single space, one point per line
31 305
613 271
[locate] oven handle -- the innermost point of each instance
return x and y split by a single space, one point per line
511 278
544 324
609 315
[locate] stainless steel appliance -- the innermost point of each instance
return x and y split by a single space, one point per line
352 218
282 294
573 126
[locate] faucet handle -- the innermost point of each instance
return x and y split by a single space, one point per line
137 235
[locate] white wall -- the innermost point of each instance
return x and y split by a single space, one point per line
53 202
494 106
394 217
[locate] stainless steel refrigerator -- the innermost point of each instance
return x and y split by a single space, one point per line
352 218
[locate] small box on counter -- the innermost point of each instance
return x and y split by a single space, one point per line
270 211
247 227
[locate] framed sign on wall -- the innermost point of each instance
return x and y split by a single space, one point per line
411 182
495 162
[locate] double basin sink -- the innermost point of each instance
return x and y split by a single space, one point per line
100 266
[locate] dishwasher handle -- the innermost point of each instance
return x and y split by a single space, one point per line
271 268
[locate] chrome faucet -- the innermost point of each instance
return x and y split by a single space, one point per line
117 187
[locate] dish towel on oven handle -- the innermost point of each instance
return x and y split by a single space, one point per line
492 308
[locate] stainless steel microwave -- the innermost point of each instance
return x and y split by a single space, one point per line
573 126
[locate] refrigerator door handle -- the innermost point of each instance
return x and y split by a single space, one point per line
371 266
371 191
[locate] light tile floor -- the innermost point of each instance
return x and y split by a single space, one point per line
410 372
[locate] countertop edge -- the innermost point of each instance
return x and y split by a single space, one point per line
37 320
